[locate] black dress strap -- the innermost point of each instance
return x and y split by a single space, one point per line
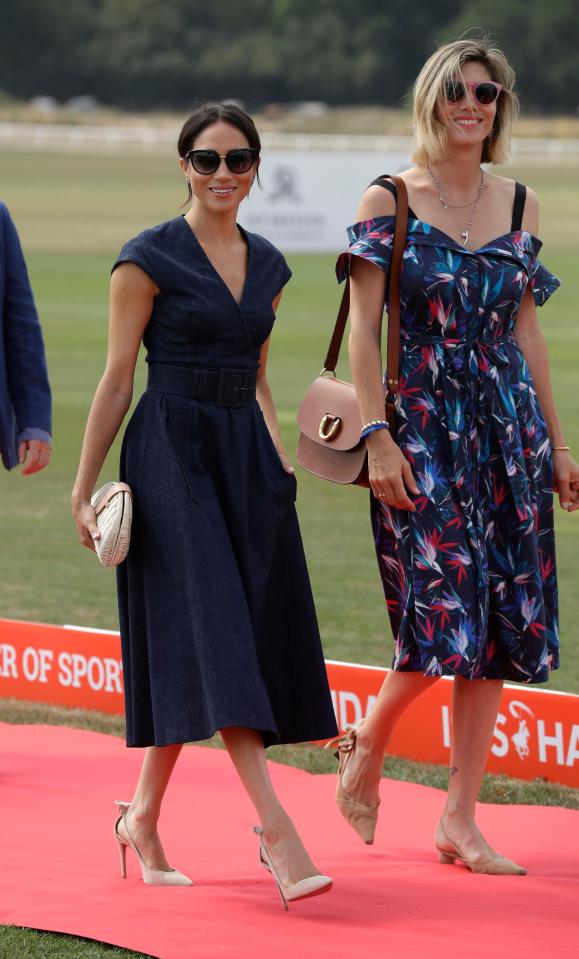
518 207
391 187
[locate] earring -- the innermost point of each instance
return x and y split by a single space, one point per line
491 133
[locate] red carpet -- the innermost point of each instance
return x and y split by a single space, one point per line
59 864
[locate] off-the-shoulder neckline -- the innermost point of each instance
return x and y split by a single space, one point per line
455 243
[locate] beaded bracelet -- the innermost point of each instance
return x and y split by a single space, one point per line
380 425
373 423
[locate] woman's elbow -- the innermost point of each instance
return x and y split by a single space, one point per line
363 339
117 388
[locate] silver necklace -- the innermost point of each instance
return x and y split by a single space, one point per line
461 206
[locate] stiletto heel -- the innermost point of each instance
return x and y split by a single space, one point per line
304 889
152 877
362 817
122 853
497 865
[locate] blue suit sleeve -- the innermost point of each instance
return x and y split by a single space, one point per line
23 343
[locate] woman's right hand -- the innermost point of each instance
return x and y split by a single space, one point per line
390 473
85 519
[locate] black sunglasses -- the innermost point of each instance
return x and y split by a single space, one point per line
207 161
485 92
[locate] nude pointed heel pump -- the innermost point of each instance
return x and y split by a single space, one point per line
152 877
497 865
304 889
362 817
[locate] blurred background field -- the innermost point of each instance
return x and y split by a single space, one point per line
74 211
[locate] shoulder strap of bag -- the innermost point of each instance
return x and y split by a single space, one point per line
393 343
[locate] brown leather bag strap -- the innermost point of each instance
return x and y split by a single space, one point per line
393 341
393 348
331 360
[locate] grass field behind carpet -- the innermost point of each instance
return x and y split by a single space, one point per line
74 212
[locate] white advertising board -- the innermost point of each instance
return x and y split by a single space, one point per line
309 197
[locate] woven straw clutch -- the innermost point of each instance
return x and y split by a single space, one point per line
113 505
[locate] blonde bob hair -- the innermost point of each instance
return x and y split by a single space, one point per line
430 133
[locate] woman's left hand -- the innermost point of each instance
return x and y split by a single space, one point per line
566 480
286 463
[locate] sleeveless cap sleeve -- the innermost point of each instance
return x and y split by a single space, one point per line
283 273
370 239
140 252
542 283
268 266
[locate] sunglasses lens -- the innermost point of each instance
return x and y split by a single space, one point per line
240 161
486 93
454 91
204 161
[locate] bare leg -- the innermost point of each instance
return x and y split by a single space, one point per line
143 814
475 704
292 862
363 772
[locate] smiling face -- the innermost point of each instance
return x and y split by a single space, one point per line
223 190
467 121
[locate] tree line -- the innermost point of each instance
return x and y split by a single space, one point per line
159 54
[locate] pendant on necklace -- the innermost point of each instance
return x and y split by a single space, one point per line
464 237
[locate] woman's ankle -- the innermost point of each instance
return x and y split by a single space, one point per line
277 826
143 816
458 819
372 745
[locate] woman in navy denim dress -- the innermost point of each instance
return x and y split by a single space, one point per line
218 625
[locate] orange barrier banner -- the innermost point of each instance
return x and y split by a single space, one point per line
536 733
61 665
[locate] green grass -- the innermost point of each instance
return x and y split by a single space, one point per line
18 943
74 213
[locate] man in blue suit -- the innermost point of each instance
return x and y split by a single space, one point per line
25 420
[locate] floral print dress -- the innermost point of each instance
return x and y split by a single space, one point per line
469 578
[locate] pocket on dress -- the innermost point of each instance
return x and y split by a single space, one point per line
282 484
182 427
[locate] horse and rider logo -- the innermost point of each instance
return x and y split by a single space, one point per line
520 739
285 184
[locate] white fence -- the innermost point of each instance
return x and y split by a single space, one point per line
311 182
60 136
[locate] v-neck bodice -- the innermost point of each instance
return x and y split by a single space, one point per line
195 318
199 245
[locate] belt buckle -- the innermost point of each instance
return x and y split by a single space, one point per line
229 389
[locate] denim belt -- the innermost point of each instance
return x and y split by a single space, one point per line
223 387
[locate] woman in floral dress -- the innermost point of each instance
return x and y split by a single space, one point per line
461 504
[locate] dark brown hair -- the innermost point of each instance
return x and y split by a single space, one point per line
207 115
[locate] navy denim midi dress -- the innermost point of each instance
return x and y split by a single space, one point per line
217 619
